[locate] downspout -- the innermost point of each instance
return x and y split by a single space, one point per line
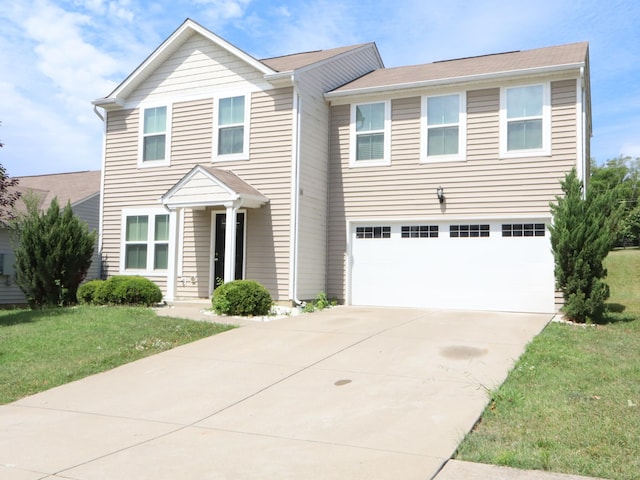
101 210
295 195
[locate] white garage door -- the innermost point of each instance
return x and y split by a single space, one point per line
504 266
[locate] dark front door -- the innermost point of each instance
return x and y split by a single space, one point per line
218 259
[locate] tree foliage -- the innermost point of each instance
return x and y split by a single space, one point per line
581 237
619 178
53 253
8 195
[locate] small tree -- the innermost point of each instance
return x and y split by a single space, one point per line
53 253
581 237
8 195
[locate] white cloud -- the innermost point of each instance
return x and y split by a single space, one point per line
220 10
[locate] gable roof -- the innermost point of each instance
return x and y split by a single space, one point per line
71 187
465 69
208 186
269 67
168 47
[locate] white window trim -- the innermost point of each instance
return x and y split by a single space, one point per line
167 154
244 155
386 160
462 131
151 213
546 124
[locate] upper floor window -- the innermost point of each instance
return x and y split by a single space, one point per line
370 133
145 242
232 136
525 121
154 138
443 124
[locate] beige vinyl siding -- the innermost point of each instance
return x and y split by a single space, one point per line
314 153
197 66
89 211
268 170
196 255
484 184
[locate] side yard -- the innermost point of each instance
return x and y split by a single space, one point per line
572 402
40 349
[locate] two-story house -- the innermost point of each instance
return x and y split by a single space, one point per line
419 186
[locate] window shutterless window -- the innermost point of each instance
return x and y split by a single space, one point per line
525 120
154 136
443 126
370 133
231 138
373 232
146 242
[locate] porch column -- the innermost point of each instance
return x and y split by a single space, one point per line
172 260
230 244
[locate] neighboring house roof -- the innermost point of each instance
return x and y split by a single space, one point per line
294 61
473 68
71 187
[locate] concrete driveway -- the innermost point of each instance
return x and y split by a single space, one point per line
350 392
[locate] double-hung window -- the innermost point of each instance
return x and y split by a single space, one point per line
231 137
443 124
154 136
525 121
145 241
370 142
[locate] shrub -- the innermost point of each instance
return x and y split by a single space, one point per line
580 240
241 297
53 254
127 290
87 290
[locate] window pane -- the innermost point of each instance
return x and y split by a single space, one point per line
161 257
443 110
525 134
153 148
230 140
524 101
162 227
155 120
370 117
135 256
370 147
137 228
231 111
442 141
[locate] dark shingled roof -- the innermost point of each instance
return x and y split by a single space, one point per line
570 54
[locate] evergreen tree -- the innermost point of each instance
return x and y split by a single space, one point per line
53 253
581 237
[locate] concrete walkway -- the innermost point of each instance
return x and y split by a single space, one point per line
353 393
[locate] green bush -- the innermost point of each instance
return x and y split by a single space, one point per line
87 290
127 290
241 297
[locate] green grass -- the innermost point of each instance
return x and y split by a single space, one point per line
40 349
572 402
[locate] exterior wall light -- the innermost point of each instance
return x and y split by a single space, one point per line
440 194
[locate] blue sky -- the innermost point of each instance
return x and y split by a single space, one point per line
56 56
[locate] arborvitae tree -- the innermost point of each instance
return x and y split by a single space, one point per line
53 253
581 237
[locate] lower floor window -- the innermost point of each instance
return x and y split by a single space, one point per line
523 230
146 242
419 231
373 232
469 231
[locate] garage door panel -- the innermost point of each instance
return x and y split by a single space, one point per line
488 273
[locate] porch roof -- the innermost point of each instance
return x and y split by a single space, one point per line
206 186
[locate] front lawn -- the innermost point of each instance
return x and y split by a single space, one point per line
40 349
572 402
